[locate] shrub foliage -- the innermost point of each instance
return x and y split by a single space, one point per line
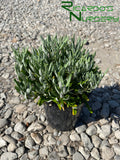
60 70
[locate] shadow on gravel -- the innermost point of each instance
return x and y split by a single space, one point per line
105 103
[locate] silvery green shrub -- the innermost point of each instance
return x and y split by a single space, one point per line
60 70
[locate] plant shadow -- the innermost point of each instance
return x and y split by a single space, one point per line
105 104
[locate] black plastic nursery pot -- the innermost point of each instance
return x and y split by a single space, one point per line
59 119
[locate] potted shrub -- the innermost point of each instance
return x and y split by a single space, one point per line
61 74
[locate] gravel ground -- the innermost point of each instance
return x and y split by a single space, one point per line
24 131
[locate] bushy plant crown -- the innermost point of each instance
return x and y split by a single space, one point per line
60 70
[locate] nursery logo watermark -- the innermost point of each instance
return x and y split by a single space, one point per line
69 5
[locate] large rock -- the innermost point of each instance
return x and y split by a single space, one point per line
113 140
20 127
3 123
35 126
96 141
116 148
30 118
8 114
11 147
36 137
29 143
117 134
43 151
107 153
80 129
64 139
86 141
16 135
2 142
91 130
32 154
74 137
20 108
53 156
15 100
95 154
9 156
20 151
62 151
78 156
84 151
105 131
9 139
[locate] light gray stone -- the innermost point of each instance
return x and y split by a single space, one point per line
14 100
32 154
51 140
8 130
24 157
36 147
112 140
1 103
80 129
42 117
96 141
29 143
62 151
2 142
107 153
20 151
115 125
74 137
106 131
8 113
53 156
104 143
37 138
86 141
64 139
116 148
9 156
16 135
5 75
35 126
37 158
43 151
117 134
20 108
95 154
9 139
78 156
3 123
103 121
11 147
91 130
20 128
117 157
3 96
84 151
30 119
